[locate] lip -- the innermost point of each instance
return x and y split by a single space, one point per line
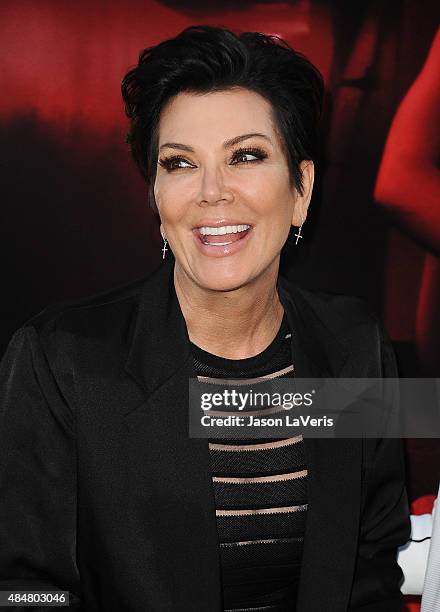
219 223
226 249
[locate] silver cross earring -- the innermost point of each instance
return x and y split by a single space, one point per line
298 235
164 248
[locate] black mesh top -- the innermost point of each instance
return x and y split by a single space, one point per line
260 489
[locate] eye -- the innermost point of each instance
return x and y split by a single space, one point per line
171 163
257 154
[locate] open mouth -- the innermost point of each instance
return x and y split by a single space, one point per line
222 236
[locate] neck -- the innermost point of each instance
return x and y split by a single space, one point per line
232 324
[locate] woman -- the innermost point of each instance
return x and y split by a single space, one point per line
106 495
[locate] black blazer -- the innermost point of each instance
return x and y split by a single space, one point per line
104 494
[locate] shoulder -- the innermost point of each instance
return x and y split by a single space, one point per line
338 312
344 324
350 308
357 325
98 314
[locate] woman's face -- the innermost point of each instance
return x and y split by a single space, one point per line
224 197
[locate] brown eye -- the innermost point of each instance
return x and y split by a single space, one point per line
172 163
257 154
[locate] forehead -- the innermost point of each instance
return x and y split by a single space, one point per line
215 116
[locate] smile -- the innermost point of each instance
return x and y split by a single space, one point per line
232 233
220 240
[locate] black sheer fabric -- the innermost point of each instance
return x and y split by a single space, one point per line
260 489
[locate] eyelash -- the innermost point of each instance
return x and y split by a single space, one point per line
166 162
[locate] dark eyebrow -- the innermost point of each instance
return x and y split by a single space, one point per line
228 143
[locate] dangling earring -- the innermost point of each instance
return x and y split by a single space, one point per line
165 242
298 235
164 248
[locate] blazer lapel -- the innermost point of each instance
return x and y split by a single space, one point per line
334 471
177 468
172 470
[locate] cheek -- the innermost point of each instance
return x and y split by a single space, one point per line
163 194
170 206
270 200
268 190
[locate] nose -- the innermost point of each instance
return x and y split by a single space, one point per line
213 187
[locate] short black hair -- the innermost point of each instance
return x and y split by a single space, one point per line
205 58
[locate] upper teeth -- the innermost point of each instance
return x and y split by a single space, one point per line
225 229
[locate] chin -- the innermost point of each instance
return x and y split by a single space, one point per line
218 280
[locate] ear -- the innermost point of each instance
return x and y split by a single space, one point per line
162 233
302 201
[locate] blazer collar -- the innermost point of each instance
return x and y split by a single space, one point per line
160 331
160 342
